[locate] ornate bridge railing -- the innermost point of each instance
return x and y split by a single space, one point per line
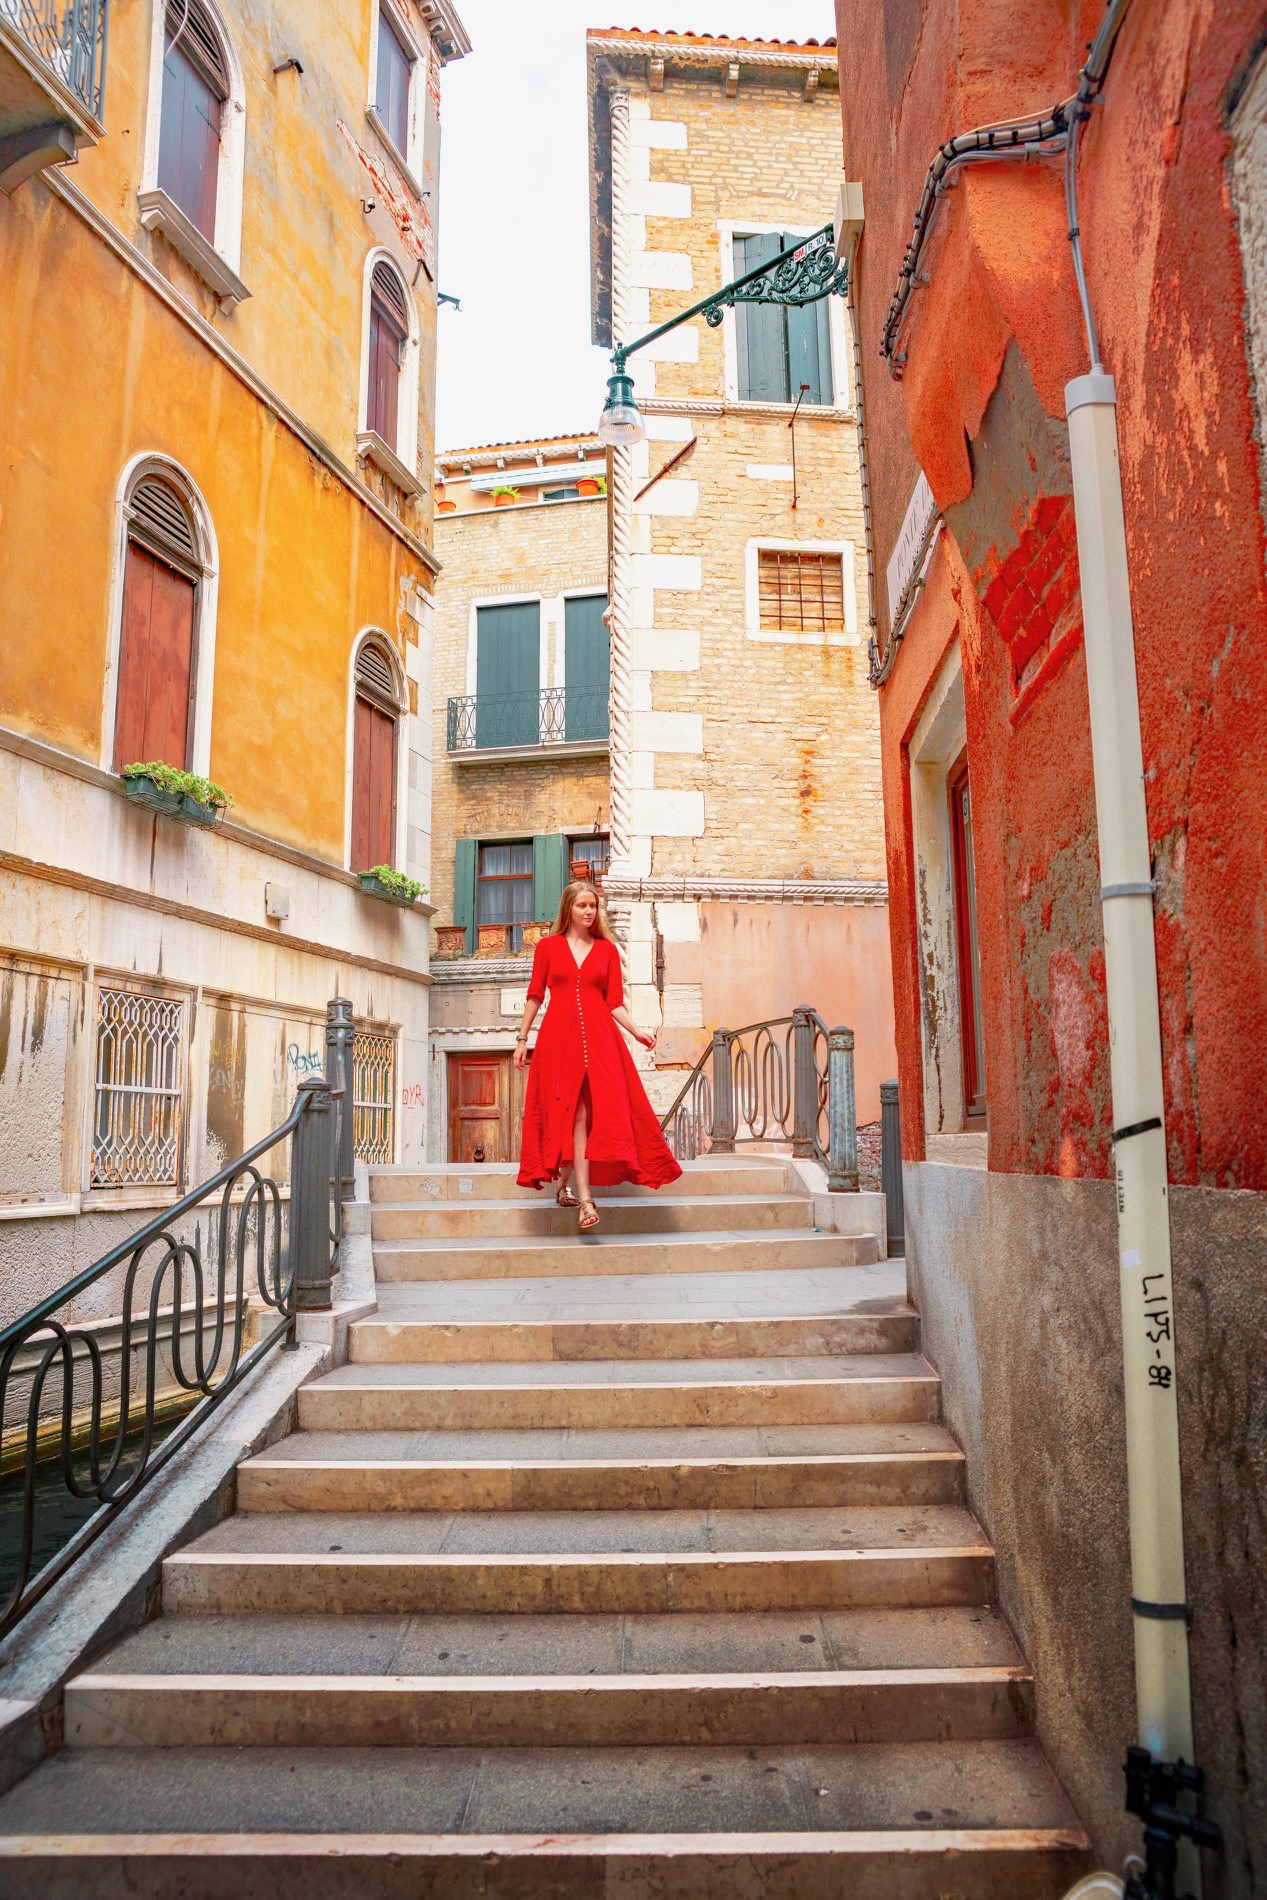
204 1290
786 1080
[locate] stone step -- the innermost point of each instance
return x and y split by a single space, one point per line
621 1562
763 1710
899 1864
541 1218
953 1636
769 1175
981 1820
357 1471
779 1249
600 1395
388 1340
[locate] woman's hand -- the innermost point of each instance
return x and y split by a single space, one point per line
521 1055
645 1037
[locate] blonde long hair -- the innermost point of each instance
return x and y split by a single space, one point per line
570 895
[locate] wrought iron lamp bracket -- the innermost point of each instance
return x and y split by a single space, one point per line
793 279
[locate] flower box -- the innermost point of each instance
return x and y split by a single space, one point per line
490 940
588 486
450 940
143 790
372 885
533 933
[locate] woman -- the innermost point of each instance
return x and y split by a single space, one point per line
586 1111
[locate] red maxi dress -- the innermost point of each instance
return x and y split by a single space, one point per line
580 1046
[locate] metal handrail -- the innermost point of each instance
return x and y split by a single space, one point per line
72 46
294 1241
797 1087
556 715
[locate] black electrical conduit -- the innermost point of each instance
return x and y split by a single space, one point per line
1043 135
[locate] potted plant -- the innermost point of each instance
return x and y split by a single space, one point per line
185 795
533 933
504 497
445 507
392 886
592 485
450 940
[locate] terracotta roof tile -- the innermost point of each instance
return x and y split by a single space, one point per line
670 37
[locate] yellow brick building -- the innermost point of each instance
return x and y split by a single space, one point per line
520 747
747 821
216 392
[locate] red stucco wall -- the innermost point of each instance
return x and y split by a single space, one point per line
995 337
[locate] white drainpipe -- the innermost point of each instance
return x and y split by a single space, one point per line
1158 1593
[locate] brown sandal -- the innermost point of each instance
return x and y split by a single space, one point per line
565 1196
588 1221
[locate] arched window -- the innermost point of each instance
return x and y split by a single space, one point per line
375 718
195 88
161 583
389 335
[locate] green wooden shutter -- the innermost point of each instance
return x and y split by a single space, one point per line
760 330
549 874
586 667
508 674
808 345
464 889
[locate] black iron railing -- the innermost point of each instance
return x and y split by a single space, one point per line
70 37
786 1080
198 1312
483 722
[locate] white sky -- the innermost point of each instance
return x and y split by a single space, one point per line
516 361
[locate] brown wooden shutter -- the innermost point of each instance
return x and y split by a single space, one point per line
373 785
155 663
389 329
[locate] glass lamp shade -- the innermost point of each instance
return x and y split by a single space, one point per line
621 421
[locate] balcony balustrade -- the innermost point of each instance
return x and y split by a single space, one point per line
52 83
560 717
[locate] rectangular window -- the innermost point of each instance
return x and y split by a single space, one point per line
587 667
189 141
561 494
800 592
508 674
391 93
387 345
503 892
374 1097
779 349
967 946
593 850
136 1109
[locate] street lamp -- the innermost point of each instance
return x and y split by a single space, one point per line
621 421
798 277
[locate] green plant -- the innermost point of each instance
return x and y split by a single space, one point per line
602 484
396 882
512 492
169 778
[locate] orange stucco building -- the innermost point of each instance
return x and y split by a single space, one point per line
216 392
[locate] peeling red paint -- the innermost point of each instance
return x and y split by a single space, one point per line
411 220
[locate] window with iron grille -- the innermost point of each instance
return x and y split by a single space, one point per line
801 592
136 1110
374 1096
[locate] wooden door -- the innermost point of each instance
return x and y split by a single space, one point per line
155 663
486 1107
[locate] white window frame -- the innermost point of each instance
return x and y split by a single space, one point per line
411 161
369 443
728 229
231 175
774 636
204 646
401 802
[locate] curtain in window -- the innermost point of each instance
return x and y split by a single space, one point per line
587 667
505 884
508 674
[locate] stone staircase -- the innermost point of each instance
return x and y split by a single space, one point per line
635 1565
